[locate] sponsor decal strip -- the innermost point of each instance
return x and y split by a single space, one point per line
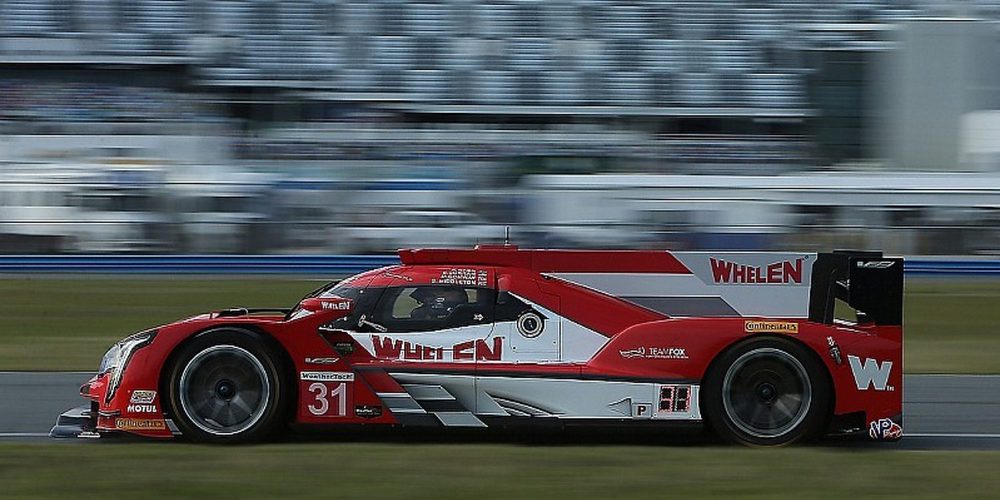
327 376
140 424
142 397
871 373
136 408
784 272
472 350
463 276
753 326
321 361
884 429
653 352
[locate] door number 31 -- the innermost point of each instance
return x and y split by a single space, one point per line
326 399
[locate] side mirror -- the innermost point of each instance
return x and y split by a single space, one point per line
331 307
503 283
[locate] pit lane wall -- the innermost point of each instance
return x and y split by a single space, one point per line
338 265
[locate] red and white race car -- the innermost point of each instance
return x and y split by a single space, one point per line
747 343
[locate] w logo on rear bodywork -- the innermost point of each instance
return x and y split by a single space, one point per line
871 373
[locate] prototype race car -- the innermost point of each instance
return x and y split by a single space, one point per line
764 348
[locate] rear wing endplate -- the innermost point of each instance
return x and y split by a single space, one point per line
867 281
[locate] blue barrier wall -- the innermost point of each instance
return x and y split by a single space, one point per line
322 265
329 265
965 267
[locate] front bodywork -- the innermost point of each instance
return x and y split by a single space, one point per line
602 336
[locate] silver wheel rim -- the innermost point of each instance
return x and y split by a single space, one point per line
766 393
224 390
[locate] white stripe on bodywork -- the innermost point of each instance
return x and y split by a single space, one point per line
574 398
400 402
458 419
745 299
409 402
504 396
424 392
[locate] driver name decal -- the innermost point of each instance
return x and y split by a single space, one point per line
460 276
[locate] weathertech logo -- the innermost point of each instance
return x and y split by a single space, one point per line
783 272
871 373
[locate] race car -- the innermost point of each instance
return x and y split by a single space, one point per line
764 349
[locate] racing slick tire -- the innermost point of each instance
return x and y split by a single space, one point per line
227 385
767 392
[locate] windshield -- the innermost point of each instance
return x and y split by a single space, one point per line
344 291
334 288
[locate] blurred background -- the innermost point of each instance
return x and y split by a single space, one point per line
333 126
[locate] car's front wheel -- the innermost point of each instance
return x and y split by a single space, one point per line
767 392
226 385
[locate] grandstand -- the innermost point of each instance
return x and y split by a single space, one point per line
726 54
731 71
474 91
730 67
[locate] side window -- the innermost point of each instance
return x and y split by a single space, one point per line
364 302
433 307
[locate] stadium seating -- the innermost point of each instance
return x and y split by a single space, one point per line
727 53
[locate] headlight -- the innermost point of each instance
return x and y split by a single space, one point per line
118 356
109 361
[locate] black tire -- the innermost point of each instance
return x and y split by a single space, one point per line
227 386
767 391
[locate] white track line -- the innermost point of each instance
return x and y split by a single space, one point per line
942 435
23 434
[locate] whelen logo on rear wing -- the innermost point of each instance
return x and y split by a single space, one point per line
783 272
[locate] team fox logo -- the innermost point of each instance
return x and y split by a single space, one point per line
871 373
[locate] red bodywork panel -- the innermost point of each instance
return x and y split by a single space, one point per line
638 343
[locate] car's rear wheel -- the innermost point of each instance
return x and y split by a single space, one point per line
767 392
227 385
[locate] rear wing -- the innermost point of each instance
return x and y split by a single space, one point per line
866 281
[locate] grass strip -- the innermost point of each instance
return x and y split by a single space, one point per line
486 471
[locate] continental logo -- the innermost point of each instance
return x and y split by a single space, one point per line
771 327
140 424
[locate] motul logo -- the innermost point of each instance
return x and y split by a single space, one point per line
871 373
779 272
136 408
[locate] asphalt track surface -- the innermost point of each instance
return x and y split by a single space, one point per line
940 411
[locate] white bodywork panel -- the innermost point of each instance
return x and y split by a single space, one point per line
538 397
720 284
